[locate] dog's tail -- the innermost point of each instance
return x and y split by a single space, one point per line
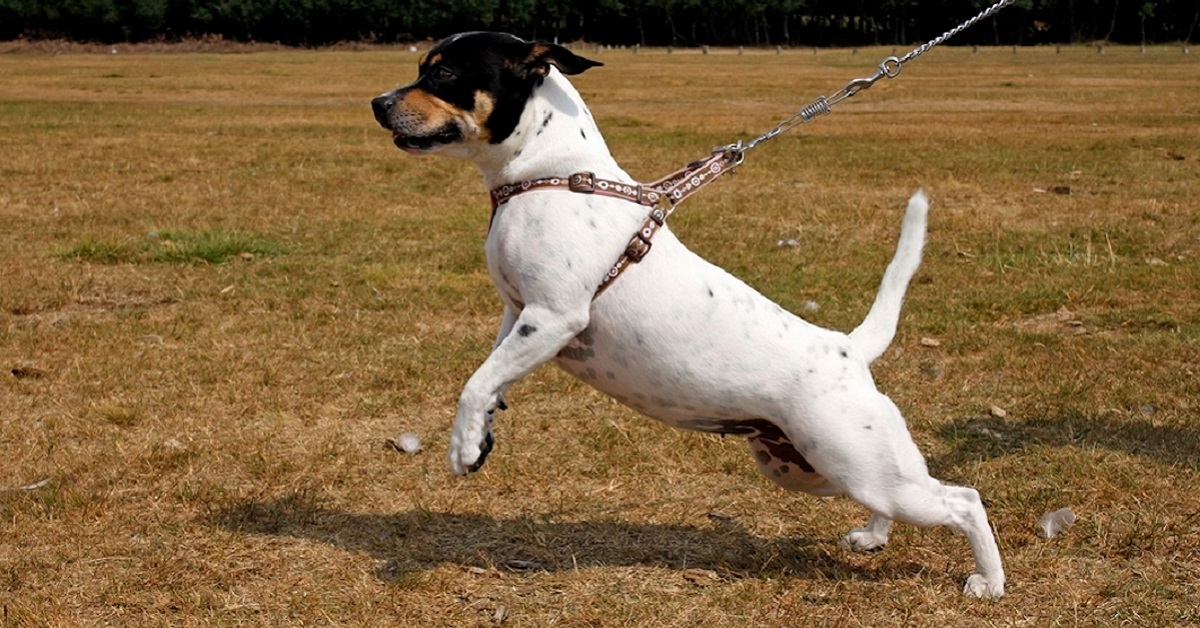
873 336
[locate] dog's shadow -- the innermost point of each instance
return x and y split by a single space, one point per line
980 438
420 540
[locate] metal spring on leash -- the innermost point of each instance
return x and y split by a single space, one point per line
819 107
889 68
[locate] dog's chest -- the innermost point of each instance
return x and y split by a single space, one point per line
546 244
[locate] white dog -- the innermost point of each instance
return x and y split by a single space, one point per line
675 338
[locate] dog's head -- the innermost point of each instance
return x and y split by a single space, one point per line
470 87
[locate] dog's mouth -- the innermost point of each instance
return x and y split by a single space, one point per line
424 143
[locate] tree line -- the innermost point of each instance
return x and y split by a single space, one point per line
610 22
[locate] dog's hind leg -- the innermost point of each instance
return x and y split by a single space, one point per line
888 475
928 503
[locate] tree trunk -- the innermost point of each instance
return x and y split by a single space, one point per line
1112 26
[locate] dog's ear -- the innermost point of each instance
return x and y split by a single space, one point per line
542 55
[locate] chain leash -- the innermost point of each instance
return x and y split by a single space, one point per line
889 68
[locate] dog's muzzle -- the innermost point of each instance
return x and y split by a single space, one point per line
406 127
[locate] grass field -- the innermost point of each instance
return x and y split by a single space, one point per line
222 291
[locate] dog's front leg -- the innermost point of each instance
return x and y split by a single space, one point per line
536 335
506 325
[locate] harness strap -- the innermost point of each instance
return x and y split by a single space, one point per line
661 196
582 183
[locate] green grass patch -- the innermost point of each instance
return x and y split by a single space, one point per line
177 247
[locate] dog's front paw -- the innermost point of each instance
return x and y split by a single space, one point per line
467 455
980 587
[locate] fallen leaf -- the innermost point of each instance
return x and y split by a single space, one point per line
1053 523
701 577
28 370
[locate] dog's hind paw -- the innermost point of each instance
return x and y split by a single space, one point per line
864 540
980 587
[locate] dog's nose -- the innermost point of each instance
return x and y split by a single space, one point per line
381 105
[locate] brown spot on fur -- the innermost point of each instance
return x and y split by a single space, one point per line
534 60
782 449
485 104
433 111
429 114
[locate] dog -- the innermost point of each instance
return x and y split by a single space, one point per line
675 337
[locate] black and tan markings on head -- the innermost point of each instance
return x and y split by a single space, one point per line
470 87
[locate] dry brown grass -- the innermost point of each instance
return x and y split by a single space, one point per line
213 431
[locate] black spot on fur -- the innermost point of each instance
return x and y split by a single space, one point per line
582 134
843 353
527 330
776 444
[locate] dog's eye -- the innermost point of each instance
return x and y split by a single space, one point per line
442 73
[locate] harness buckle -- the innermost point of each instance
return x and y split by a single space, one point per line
582 182
640 245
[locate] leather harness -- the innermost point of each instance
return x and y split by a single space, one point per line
661 197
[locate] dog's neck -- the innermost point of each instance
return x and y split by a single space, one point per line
556 136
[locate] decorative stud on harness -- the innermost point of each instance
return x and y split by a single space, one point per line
663 195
